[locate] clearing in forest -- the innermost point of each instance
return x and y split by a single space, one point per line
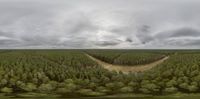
127 69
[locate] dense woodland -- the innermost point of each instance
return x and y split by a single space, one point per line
67 73
130 58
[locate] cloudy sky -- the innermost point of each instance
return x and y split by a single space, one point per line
100 24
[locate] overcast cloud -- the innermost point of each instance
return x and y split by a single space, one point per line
99 24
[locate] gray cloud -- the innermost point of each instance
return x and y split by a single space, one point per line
144 34
186 32
107 43
129 40
99 24
180 32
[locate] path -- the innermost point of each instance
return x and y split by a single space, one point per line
127 69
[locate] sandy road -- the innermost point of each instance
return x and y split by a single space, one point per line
127 69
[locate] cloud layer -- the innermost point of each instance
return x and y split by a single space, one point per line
99 24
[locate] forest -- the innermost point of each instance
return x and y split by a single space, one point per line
70 73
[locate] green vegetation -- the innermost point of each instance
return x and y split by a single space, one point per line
123 57
70 73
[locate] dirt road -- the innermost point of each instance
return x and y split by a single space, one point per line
127 69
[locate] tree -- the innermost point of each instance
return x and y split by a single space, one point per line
144 90
29 87
63 90
110 86
92 85
193 88
45 88
171 83
3 82
126 89
134 85
89 92
6 90
103 89
150 87
184 86
170 90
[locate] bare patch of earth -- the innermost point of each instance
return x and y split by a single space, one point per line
127 69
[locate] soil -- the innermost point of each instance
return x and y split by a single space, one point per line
127 69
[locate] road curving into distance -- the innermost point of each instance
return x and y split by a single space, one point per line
127 69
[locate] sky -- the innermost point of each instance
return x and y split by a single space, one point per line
103 24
